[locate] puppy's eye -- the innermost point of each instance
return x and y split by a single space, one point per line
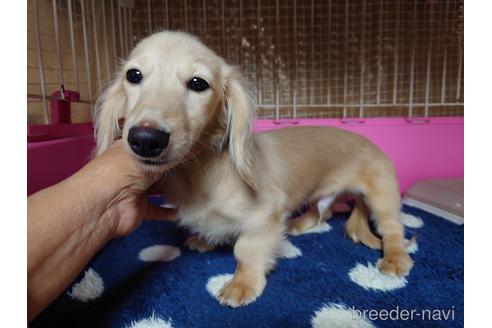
197 84
134 76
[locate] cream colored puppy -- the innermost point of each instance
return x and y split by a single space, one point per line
188 113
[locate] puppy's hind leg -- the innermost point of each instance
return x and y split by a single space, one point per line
305 221
318 212
357 226
385 206
255 252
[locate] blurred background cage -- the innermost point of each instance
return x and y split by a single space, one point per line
346 59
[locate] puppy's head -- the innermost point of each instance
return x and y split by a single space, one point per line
175 95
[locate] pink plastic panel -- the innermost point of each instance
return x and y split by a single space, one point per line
58 131
49 162
434 149
419 150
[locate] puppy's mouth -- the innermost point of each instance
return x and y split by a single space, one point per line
158 164
153 162
166 163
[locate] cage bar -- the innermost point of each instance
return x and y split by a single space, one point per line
259 50
296 50
125 30
225 49
429 57
460 71
58 48
105 38
130 33
362 60
149 16
460 52
40 61
113 36
168 24
86 50
241 30
412 67
72 44
445 56
328 84
96 45
120 30
345 62
311 70
276 60
380 52
396 54
185 9
204 18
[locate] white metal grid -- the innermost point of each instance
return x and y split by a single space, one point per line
78 44
348 58
307 58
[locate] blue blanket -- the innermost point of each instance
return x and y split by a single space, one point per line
324 280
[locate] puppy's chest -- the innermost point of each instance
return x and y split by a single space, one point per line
214 218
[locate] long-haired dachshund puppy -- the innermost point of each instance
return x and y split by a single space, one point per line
188 114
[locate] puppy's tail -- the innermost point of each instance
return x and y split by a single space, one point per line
358 229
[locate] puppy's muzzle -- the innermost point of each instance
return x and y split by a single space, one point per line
147 142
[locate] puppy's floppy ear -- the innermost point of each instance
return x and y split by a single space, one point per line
110 107
239 106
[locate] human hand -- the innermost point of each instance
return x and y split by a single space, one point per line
106 198
127 183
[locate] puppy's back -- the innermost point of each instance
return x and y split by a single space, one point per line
308 156
317 141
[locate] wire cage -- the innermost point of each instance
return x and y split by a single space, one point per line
307 58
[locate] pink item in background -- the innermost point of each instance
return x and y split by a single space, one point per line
49 162
58 131
60 106
419 149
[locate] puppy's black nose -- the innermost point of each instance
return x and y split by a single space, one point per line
147 142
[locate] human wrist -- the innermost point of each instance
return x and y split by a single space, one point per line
122 184
94 192
81 230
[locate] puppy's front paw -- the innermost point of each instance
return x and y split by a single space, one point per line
195 243
399 264
236 294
